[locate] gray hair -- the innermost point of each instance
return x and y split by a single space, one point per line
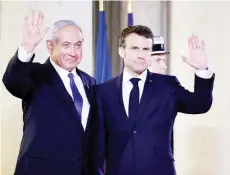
60 24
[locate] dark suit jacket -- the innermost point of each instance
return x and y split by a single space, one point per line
142 145
54 141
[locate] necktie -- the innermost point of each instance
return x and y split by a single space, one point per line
78 101
134 98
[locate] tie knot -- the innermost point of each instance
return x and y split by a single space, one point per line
134 81
70 75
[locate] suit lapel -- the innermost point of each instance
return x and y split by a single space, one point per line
88 95
119 98
85 84
150 93
56 83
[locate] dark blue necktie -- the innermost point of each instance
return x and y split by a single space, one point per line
134 98
77 98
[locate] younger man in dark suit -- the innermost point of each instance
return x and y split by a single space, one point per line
138 108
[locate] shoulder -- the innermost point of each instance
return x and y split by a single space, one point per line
108 85
165 79
89 78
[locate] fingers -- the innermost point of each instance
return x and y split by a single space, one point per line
194 43
202 45
29 19
190 45
41 18
34 19
193 38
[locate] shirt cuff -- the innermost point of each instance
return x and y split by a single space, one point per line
23 56
205 74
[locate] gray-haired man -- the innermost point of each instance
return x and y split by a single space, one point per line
57 100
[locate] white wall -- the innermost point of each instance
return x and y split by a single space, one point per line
202 142
13 14
152 14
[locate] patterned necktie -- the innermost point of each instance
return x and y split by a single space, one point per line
134 98
78 101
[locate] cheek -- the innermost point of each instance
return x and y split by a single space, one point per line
61 53
78 51
147 59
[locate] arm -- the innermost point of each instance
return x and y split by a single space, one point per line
17 77
199 101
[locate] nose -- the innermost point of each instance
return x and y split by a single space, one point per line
140 54
73 51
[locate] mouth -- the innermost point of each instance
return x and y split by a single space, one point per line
140 62
72 60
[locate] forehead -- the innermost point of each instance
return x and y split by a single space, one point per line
134 39
69 33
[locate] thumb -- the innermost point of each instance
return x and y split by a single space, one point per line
186 60
43 33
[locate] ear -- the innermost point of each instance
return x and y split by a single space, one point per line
121 52
50 46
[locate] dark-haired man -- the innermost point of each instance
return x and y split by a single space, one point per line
138 108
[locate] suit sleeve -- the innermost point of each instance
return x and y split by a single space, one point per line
100 142
17 77
197 102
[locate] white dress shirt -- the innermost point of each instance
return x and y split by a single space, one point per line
25 57
127 85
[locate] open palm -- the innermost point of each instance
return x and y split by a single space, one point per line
32 33
197 54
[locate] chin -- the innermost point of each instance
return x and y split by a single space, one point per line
139 71
69 68
142 69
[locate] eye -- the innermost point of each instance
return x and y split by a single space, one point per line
66 45
134 48
146 49
78 45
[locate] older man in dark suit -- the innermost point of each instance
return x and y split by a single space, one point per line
58 101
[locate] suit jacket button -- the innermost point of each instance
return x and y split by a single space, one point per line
134 132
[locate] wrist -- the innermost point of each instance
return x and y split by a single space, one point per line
201 69
29 48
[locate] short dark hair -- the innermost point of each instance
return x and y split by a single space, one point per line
138 29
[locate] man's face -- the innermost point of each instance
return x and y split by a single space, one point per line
157 64
66 50
136 53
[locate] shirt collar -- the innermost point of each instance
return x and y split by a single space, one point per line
62 72
127 76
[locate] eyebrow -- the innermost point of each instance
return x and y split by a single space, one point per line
139 47
66 42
